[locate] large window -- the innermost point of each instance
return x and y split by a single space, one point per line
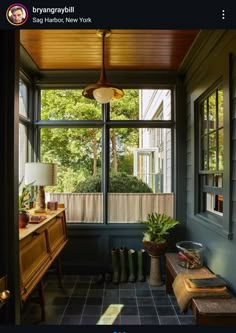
114 160
211 159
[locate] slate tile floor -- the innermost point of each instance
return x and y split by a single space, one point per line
83 301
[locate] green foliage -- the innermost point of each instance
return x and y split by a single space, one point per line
70 147
78 151
24 196
67 180
68 104
125 163
127 107
158 227
119 182
90 185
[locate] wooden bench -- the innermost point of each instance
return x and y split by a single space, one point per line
211 311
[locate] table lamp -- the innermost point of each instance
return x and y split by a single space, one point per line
40 174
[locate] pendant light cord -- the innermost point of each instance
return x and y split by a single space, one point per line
103 73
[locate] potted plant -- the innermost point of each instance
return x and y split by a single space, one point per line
23 204
155 240
158 227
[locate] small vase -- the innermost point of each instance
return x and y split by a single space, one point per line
23 220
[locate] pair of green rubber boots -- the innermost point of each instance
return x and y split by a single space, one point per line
127 265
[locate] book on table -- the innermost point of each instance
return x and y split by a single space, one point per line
210 282
37 218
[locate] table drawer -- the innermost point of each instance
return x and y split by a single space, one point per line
33 256
56 233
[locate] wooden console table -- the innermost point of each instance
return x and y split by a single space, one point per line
40 245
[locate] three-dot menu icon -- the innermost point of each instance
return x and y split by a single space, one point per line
223 14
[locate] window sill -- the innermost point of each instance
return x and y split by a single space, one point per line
209 224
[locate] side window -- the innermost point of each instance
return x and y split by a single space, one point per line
211 155
24 124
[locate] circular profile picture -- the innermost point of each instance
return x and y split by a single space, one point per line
17 14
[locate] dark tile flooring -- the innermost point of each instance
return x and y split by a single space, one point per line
83 301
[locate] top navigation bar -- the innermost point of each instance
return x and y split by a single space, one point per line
116 14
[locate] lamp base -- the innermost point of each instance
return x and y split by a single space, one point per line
40 206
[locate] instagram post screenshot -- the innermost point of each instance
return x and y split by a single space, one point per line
118 166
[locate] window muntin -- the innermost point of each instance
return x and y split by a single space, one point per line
211 153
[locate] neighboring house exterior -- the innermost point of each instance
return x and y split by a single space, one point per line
152 160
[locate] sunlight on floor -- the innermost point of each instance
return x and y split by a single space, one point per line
110 315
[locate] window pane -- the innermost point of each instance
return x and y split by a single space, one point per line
214 203
22 150
68 105
212 151
204 125
77 153
204 155
145 104
218 180
221 149
212 112
140 173
23 99
220 108
209 180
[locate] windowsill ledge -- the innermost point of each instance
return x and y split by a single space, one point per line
209 224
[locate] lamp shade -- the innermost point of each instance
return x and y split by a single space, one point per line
103 94
41 174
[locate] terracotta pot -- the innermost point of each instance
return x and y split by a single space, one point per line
155 249
23 220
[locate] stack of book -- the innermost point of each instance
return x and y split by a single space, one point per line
186 286
205 284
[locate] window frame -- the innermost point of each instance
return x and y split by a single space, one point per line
219 224
106 124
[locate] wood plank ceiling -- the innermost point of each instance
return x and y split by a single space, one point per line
125 49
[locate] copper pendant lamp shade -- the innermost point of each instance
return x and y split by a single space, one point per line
103 91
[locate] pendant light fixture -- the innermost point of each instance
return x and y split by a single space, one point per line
102 91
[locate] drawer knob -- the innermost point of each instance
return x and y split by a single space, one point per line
4 296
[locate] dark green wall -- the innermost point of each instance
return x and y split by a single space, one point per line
89 247
213 59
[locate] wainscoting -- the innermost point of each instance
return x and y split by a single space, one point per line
88 250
